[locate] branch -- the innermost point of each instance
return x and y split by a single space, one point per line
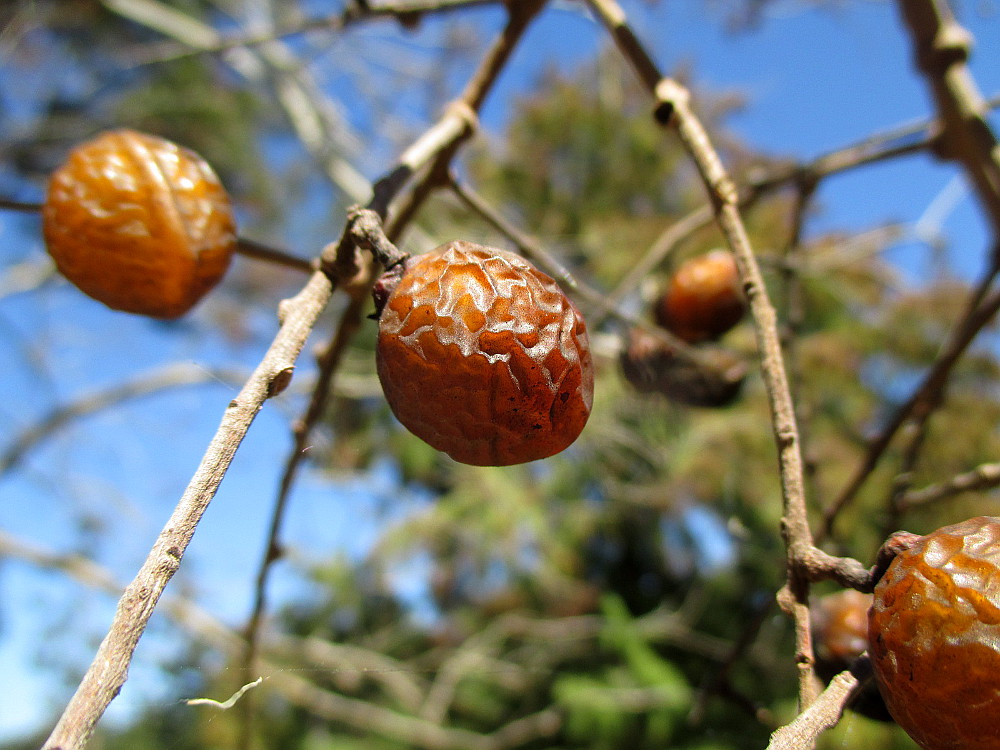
982 308
985 476
674 110
824 712
148 384
27 207
298 315
258 251
109 670
942 47
433 151
406 11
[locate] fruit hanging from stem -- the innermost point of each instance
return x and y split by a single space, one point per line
484 357
934 637
139 223
703 298
840 633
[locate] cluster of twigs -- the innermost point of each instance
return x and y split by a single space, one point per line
959 132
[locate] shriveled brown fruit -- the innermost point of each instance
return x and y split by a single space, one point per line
934 637
482 356
840 635
139 223
710 377
703 299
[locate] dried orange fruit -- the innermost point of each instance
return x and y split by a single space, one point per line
840 632
482 356
139 223
703 299
934 637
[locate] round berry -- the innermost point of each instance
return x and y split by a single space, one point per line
703 299
840 632
934 637
482 356
139 223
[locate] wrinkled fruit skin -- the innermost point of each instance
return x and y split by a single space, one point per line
703 299
840 633
482 356
934 637
139 223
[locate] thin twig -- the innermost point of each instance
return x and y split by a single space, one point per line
983 477
941 48
109 669
407 11
24 206
432 150
926 396
824 712
674 110
258 251
226 704
147 384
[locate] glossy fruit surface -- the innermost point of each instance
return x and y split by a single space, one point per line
840 635
703 299
482 356
934 637
139 223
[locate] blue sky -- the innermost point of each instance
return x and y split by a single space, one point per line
814 80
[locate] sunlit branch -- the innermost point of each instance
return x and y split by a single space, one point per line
824 712
405 12
941 49
433 150
673 110
259 251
